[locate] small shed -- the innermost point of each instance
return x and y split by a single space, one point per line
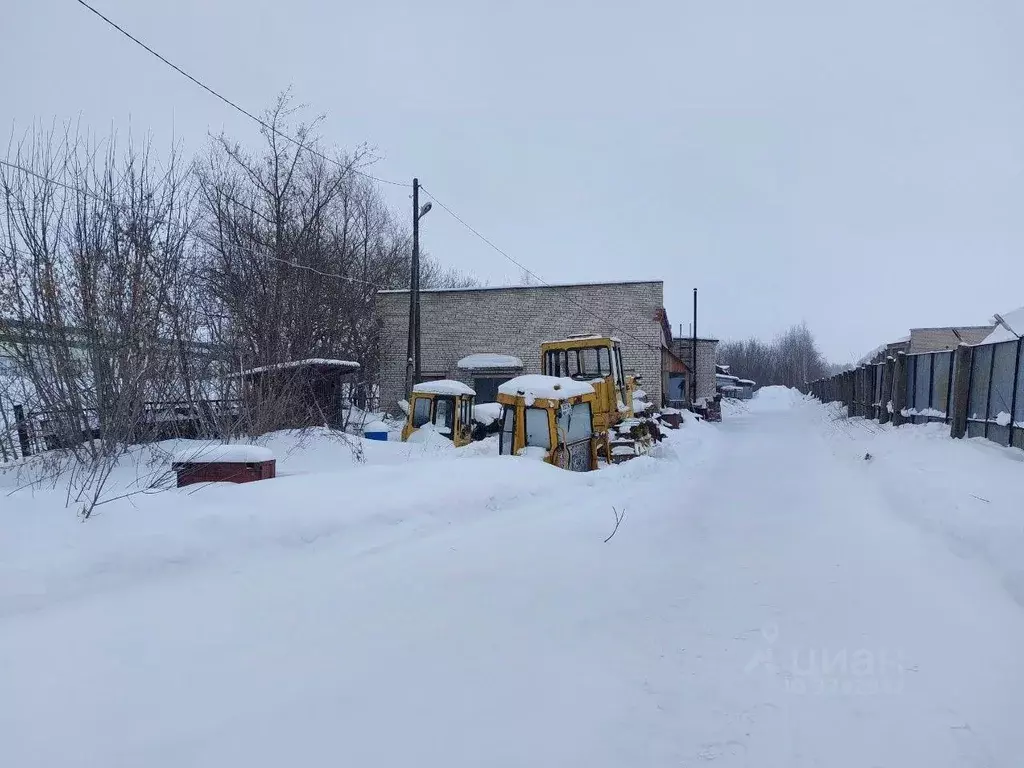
299 393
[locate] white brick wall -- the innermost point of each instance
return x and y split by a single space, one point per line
515 321
707 356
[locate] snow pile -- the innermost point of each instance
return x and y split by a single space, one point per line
448 387
375 426
220 452
534 386
1003 419
929 412
533 452
487 413
774 398
431 435
488 360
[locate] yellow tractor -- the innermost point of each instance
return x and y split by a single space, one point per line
446 405
597 360
549 418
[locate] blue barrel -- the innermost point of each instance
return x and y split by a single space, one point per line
376 430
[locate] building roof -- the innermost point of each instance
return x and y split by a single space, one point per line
690 338
1000 333
526 287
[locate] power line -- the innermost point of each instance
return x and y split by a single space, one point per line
534 275
98 198
299 144
233 104
41 177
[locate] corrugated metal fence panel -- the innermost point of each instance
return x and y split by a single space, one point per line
1018 416
977 402
942 382
995 406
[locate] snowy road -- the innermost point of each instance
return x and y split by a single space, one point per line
767 601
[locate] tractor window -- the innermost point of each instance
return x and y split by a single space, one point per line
574 423
507 438
620 379
537 432
421 411
444 413
465 413
554 363
586 363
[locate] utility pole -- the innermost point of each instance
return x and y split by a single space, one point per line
416 270
693 356
413 368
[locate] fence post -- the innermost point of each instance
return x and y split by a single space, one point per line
885 396
961 394
899 388
1013 399
22 426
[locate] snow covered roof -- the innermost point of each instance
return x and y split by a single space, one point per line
535 385
489 360
219 452
748 382
443 387
1013 319
312 362
526 287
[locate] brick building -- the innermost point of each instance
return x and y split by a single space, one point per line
929 340
707 357
497 332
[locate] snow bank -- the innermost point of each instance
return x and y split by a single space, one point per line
221 452
533 386
488 360
774 398
532 452
444 387
929 412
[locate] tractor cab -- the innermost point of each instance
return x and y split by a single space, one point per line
446 405
550 418
596 360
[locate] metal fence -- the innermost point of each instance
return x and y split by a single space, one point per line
995 403
929 387
921 388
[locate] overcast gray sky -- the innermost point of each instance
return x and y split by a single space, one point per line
857 165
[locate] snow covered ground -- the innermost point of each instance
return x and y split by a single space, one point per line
771 598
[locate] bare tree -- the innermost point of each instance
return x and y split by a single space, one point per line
791 359
93 252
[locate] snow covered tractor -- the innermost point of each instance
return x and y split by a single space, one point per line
597 360
446 405
549 418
